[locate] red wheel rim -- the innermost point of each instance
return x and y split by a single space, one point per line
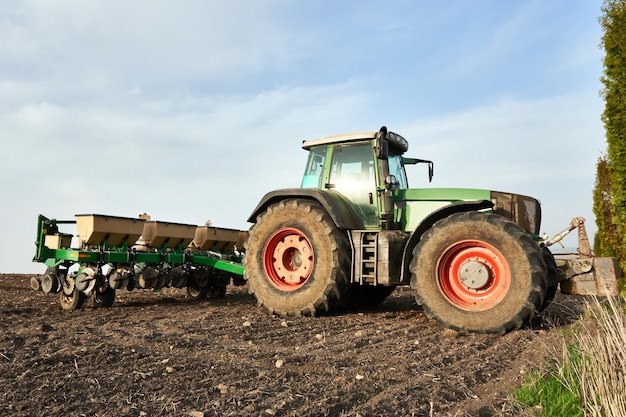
474 275
288 259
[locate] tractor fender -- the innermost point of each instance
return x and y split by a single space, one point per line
333 203
428 222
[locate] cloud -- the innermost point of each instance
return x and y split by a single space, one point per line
154 42
180 159
546 148
193 110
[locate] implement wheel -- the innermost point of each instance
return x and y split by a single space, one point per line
478 272
216 290
103 298
297 260
72 301
196 292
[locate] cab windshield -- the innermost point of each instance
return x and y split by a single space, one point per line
314 168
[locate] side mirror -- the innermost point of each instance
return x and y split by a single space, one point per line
413 161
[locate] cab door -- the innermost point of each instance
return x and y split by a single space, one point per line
353 174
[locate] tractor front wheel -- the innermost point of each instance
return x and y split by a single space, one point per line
297 260
478 272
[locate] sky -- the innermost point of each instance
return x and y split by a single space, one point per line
192 110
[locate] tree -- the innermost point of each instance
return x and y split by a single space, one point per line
613 23
606 239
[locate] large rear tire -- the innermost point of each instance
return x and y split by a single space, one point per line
478 272
553 277
297 260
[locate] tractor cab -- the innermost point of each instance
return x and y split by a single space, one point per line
365 169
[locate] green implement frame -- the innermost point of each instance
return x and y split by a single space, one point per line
53 249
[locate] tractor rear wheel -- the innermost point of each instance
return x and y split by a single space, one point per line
297 260
553 277
478 272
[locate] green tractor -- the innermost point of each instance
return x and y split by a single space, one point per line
355 230
352 233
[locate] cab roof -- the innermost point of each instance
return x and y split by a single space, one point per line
346 137
395 141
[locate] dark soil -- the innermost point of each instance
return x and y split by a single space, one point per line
159 353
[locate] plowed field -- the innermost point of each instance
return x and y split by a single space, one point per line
159 353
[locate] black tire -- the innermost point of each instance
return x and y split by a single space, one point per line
103 298
196 292
311 275
217 284
216 291
73 301
366 296
478 272
553 277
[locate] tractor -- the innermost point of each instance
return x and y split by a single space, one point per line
354 231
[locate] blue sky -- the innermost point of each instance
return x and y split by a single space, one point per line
192 110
